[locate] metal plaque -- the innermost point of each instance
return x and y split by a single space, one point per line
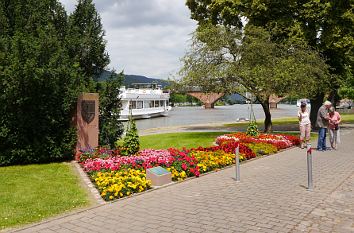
88 110
159 171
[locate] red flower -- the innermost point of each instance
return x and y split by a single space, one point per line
184 166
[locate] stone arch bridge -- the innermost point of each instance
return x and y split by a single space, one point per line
209 98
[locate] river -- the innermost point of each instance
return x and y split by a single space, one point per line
184 116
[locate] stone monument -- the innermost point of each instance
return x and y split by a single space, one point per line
86 121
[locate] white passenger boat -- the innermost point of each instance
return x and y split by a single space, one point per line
144 100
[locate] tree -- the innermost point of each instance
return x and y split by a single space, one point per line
87 46
325 25
111 128
131 142
347 89
86 40
39 83
223 60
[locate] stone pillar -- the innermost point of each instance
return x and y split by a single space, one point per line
273 105
208 105
208 99
86 120
274 100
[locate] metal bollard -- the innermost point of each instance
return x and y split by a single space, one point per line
237 164
309 167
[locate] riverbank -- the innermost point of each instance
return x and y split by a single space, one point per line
194 116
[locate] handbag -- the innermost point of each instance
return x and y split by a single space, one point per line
336 126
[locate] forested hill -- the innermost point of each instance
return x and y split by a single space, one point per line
129 79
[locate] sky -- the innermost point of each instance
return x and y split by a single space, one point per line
144 37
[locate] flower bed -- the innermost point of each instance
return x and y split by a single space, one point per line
212 160
118 176
116 184
262 148
144 159
280 141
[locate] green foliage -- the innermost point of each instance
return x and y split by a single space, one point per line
131 143
178 98
347 89
252 129
179 140
87 47
46 60
261 149
222 59
39 84
111 128
183 98
85 39
326 26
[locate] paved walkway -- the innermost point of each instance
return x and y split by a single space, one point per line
271 197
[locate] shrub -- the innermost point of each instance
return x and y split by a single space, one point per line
131 143
111 128
39 89
252 129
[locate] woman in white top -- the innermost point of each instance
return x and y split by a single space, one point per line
305 124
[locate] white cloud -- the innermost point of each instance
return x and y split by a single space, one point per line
146 37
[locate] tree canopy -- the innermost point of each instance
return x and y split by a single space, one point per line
86 39
39 83
46 60
327 26
223 59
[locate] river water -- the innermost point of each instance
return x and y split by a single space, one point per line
184 116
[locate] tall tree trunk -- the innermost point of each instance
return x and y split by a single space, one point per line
334 97
268 116
316 103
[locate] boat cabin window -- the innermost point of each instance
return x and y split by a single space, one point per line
139 104
157 103
135 104
151 104
132 104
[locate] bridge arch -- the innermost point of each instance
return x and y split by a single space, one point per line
208 99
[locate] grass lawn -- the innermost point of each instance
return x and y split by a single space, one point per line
179 140
34 192
347 117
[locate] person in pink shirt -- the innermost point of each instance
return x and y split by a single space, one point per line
304 124
333 127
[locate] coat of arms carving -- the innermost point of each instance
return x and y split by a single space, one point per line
88 110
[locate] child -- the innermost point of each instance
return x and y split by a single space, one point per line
333 127
304 124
